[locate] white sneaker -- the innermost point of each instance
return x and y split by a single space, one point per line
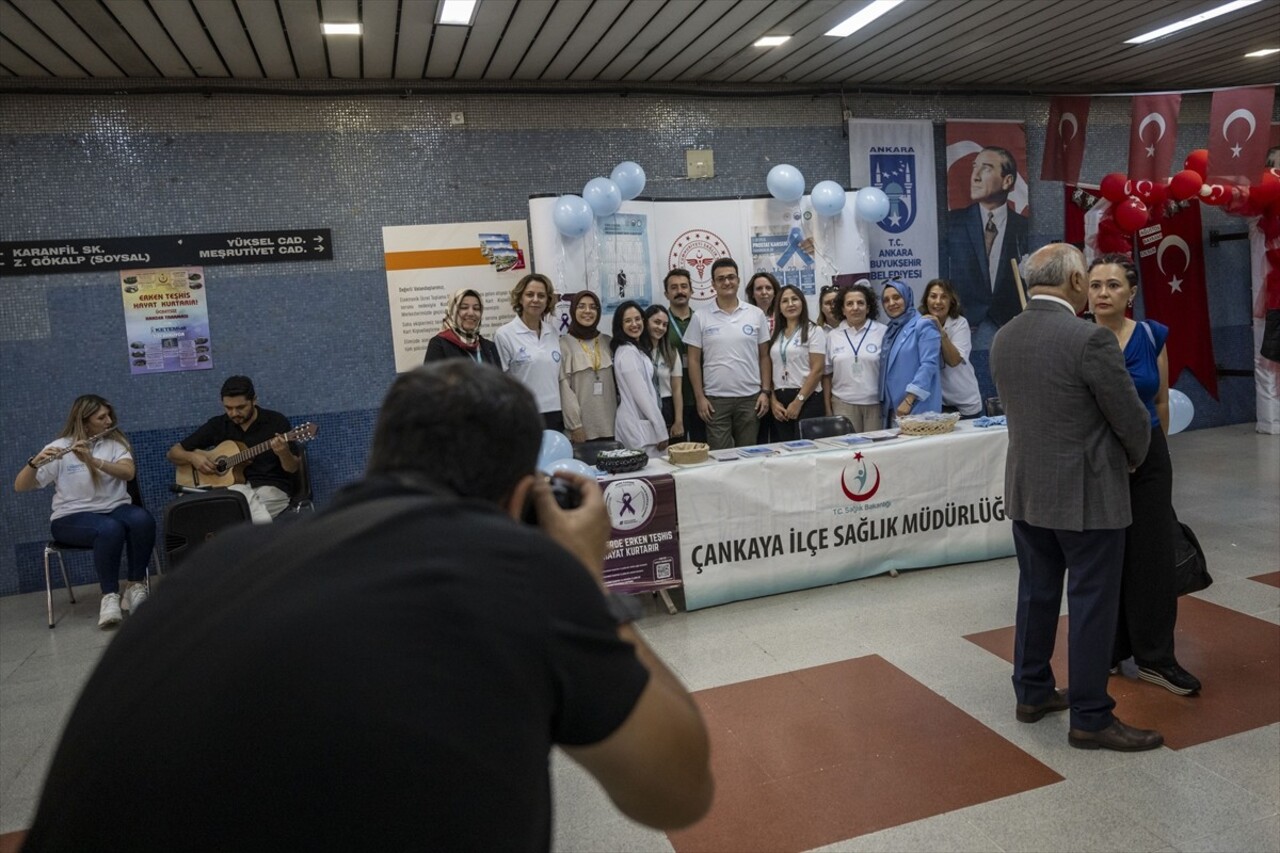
109 612
133 596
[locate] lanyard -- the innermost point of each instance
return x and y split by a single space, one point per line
675 324
865 329
783 343
594 355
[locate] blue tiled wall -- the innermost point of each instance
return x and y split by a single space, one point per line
316 336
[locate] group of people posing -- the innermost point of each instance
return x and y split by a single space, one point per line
739 372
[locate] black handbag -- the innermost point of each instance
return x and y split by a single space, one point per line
1190 568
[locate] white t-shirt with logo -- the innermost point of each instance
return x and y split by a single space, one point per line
532 358
959 383
75 491
795 370
730 344
853 359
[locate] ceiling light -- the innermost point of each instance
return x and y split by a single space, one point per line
771 41
457 12
1265 52
860 20
341 29
1190 22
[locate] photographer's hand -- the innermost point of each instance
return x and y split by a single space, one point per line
584 531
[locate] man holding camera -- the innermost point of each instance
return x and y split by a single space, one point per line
391 674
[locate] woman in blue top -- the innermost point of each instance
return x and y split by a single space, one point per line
910 378
1148 590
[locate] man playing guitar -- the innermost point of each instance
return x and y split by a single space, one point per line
269 476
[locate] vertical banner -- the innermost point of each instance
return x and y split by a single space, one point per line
644 543
1064 139
624 265
1171 264
166 320
426 263
897 157
1238 134
988 225
782 242
1153 133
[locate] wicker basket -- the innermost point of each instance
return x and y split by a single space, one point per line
688 452
933 423
621 461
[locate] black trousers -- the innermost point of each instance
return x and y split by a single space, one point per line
553 421
810 408
694 428
1148 587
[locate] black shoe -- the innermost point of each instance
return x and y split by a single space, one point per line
1116 736
1173 678
1033 713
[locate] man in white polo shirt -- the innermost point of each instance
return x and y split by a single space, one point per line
729 365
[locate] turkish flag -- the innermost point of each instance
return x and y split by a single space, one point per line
1239 134
1153 130
1064 139
1171 263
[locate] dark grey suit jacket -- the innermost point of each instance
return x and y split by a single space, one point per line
1075 421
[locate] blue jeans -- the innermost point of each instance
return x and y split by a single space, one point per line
107 533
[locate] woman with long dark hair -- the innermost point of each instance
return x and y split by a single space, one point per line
88 465
640 425
960 393
666 361
798 349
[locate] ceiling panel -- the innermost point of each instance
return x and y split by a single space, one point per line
920 46
50 18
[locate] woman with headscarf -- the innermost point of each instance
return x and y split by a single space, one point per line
587 394
640 422
910 378
460 337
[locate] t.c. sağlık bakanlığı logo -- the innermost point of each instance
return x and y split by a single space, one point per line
862 492
696 251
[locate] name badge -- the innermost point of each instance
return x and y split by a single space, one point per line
597 388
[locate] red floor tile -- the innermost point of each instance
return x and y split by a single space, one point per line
1235 656
1270 578
829 753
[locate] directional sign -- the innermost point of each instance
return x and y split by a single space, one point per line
43 257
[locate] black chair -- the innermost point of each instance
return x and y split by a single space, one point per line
193 519
826 427
589 450
301 498
994 407
54 548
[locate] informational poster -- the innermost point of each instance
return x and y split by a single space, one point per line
644 546
897 157
761 234
426 263
166 320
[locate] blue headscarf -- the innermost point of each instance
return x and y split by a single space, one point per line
896 324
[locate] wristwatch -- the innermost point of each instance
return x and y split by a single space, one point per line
800 396
624 609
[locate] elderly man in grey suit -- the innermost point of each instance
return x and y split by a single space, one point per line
1076 429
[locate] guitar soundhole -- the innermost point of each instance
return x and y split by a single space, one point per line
221 464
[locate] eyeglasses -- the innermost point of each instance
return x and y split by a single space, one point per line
725 279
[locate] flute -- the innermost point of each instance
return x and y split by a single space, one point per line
63 451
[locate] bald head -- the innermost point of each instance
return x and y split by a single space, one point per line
1058 269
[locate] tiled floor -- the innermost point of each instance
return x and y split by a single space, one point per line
878 714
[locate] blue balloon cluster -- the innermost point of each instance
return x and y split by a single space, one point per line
573 215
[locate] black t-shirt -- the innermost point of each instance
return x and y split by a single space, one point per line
265 469
402 690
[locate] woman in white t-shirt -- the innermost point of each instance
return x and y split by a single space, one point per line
666 362
798 349
960 391
529 346
88 464
853 358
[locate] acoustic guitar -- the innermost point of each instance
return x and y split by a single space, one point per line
231 458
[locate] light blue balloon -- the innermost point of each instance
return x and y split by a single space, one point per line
603 196
572 216
630 179
574 466
871 204
555 448
827 198
1181 411
785 182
